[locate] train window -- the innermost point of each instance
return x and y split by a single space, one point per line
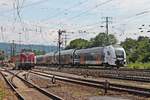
90 56
119 53
77 56
71 56
108 53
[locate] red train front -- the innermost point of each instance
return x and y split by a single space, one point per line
25 60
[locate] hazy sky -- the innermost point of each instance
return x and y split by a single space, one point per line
39 20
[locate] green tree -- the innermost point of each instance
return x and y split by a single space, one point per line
143 49
100 40
137 50
78 43
2 55
103 39
130 46
39 52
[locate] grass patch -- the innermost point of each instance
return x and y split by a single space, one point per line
139 65
2 90
1 96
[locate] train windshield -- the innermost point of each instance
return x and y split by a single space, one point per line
119 53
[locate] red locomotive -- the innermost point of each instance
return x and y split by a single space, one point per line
24 60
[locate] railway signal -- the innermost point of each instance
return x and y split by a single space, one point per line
59 41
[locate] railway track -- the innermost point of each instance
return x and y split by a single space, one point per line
105 73
98 68
19 96
30 91
98 84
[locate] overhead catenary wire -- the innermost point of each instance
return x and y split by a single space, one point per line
128 19
84 12
137 14
41 0
65 10
132 19
98 22
18 11
96 6
24 6
78 5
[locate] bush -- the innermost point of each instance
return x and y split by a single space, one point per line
139 65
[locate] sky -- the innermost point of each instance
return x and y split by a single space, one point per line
38 21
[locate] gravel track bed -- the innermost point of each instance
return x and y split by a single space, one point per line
28 92
98 72
7 93
124 82
70 91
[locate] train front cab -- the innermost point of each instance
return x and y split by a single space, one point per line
25 61
114 56
120 57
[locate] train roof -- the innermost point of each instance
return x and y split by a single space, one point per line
116 46
27 53
38 56
94 49
63 52
49 54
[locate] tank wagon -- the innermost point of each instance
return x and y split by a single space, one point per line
110 56
24 60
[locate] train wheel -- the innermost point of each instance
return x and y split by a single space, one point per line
117 67
19 68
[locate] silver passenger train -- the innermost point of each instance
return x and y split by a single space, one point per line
110 56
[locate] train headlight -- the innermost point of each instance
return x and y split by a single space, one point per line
120 59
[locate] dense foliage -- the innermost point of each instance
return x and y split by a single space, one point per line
103 39
39 52
137 50
2 55
100 40
78 43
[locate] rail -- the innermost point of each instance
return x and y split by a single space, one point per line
19 96
51 95
98 84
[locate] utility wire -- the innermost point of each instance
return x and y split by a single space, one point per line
65 10
135 16
25 6
138 14
96 24
98 5
80 3
95 7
